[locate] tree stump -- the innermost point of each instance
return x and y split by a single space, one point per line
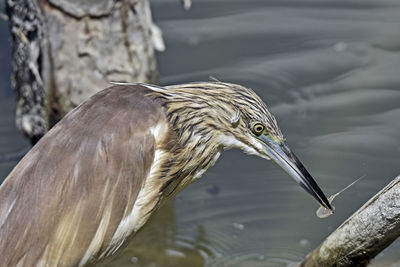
66 50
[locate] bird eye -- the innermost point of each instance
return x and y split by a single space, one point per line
258 128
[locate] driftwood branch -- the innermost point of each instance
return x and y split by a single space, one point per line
365 234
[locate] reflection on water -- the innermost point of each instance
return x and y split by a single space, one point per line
329 71
159 244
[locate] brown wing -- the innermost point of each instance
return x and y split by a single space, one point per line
79 181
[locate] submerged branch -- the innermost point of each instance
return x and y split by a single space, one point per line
365 234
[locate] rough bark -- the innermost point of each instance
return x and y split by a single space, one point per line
66 50
365 234
26 27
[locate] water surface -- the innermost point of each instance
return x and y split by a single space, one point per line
329 71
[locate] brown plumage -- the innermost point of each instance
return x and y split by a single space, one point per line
94 179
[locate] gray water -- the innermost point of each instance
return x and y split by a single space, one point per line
329 70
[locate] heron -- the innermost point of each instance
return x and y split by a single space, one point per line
96 177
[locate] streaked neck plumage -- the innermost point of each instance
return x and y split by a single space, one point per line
193 143
201 120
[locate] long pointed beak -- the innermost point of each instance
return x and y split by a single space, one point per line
284 157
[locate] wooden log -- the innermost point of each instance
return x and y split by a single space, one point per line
364 235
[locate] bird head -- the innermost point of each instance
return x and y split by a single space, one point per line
232 116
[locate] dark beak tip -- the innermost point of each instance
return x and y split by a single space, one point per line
332 209
282 155
325 202
328 205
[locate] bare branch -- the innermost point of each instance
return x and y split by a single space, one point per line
365 234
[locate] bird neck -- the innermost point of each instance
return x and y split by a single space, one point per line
189 159
191 150
194 144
